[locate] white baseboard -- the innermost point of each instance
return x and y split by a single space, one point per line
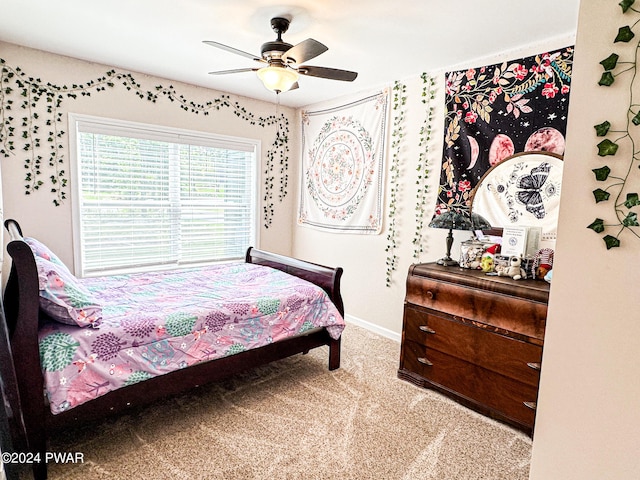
385 332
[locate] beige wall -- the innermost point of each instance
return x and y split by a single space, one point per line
588 420
37 214
368 300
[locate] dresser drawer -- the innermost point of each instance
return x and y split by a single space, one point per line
472 385
472 343
513 313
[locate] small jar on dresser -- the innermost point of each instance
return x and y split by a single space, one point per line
475 338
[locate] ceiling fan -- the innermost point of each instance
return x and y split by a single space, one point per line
284 61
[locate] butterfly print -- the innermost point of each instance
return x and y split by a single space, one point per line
531 187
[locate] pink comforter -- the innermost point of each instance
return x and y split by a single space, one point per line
155 323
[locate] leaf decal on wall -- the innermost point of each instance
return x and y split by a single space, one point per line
611 242
618 178
601 173
600 195
603 128
624 34
606 80
607 147
632 200
43 106
626 5
597 225
610 62
631 220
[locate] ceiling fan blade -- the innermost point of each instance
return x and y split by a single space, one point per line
234 50
235 70
304 51
330 73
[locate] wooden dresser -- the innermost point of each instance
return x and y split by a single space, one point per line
476 338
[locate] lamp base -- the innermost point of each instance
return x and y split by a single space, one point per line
447 262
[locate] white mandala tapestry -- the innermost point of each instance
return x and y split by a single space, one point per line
343 154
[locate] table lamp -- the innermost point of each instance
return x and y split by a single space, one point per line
457 220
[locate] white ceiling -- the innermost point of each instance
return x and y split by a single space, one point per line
383 40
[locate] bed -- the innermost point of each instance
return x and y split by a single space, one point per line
128 340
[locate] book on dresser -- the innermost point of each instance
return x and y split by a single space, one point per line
475 338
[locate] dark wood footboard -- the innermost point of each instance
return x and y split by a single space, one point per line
325 277
21 302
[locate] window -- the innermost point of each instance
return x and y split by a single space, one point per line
149 197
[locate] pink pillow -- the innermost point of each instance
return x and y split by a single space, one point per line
41 250
62 295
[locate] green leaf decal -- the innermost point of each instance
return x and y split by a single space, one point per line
607 147
631 220
600 195
632 200
606 80
602 173
603 128
57 351
610 62
624 34
597 225
626 5
611 242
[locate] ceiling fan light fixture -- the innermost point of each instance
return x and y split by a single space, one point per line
278 79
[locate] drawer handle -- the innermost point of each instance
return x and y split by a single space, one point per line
429 294
425 361
531 405
534 365
426 329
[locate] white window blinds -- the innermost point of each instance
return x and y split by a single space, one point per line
155 197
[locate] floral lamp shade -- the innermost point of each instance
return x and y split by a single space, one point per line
457 220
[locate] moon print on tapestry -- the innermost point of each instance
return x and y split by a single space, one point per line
343 159
496 111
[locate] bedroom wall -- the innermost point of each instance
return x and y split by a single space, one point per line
368 301
37 214
588 420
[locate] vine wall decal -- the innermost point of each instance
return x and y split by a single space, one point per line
397 134
618 180
422 176
31 125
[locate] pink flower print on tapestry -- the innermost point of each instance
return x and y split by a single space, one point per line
549 90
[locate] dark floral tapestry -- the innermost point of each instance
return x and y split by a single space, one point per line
499 110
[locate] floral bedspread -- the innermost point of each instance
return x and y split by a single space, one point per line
159 322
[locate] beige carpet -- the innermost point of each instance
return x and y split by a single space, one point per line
296 420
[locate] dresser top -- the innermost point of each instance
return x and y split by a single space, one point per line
536 290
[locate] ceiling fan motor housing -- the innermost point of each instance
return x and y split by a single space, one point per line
274 50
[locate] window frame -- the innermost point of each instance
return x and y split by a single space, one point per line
161 133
